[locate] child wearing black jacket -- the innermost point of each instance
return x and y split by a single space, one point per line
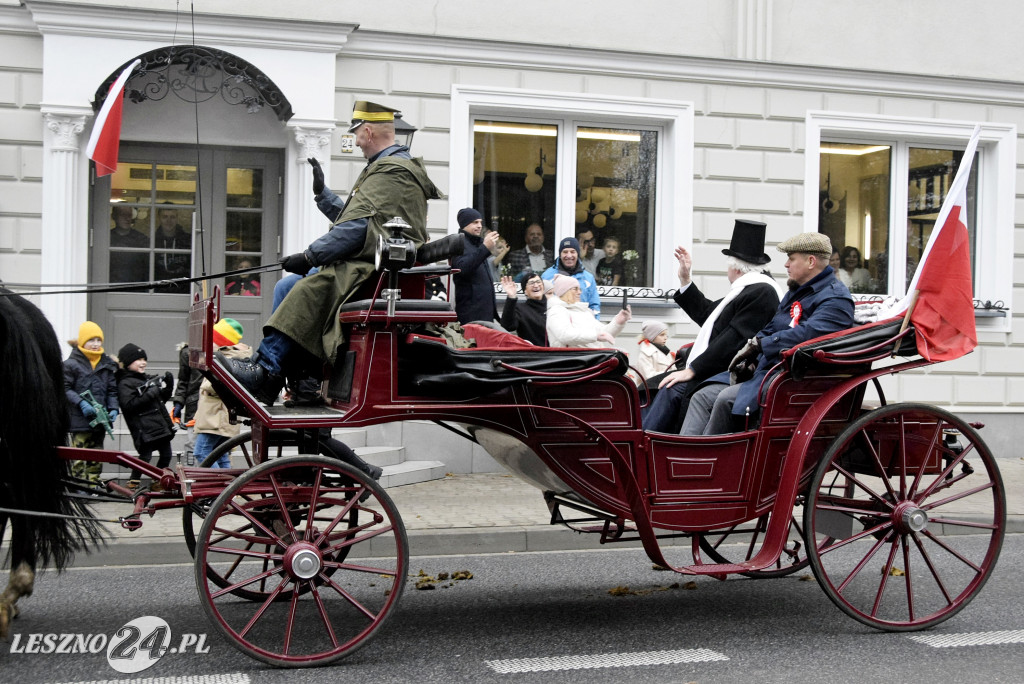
142 398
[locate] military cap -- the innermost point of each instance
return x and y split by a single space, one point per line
817 244
370 112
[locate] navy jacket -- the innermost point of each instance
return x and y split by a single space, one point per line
474 289
825 307
79 376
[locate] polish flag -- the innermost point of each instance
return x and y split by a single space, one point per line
106 130
943 315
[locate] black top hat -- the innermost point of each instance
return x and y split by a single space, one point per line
748 242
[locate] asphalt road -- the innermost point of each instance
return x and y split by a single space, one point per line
536 606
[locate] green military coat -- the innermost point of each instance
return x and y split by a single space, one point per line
389 187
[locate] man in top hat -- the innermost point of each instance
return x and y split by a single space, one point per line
817 304
726 323
304 331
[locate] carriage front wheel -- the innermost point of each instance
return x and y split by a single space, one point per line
282 525
914 505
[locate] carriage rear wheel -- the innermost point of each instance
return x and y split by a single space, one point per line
283 526
914 501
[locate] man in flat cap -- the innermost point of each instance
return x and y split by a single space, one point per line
726 323
305 331
816 304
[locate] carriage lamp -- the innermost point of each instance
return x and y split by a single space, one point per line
394 254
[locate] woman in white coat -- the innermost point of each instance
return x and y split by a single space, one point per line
571 323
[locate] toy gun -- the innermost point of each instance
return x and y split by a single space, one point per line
102 417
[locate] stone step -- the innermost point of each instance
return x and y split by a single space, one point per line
381 455
354 437
411 472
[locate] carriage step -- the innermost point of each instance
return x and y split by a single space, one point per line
411 472
380 455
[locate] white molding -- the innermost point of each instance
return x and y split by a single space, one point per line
674 207
754 29
128 23
15 19
469 52
996 201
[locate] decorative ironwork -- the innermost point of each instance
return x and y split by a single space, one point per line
194 73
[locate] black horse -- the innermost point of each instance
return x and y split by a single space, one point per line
33 477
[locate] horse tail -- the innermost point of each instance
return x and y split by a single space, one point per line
33 423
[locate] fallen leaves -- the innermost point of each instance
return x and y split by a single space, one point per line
626 591
425 582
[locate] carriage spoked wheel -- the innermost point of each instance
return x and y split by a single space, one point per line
913 499
194 513
285 527
741 542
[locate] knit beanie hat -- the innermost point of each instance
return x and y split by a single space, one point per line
467 216
564 283
130 353
549 286
652 329
569 242
87 331
227 332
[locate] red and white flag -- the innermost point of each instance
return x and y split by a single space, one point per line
943 316
106 130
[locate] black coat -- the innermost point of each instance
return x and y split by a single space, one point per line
527 319
474 289
79 376
189 380
739 321
142 404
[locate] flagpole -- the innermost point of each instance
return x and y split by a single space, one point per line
906 323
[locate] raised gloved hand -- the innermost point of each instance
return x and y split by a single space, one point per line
318 175
169 379
297 263
176 412
743 365
87 410
112 415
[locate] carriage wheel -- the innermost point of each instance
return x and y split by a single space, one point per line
745 540
299 508
914 500
192 515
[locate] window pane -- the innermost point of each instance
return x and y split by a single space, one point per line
931 173
853 210
129 244
514 178
173 246
244 232
244 284
615 180
245 188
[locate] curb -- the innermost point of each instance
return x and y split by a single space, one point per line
423 542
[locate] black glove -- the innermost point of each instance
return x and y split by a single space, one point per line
297 263
318 175
169 379
743 365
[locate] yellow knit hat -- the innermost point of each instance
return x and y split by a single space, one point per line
87 331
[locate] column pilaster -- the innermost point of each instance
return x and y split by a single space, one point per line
305 222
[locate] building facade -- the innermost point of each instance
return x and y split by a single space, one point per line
657 125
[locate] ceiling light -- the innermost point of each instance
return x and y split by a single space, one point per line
854 151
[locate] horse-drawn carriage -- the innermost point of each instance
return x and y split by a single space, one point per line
299 560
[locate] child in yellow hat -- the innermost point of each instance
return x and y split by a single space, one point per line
89 370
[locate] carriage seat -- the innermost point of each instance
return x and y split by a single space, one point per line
857 346
429 367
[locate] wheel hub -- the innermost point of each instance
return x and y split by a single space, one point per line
910 518
302 560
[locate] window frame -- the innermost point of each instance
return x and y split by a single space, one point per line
673 120
996 165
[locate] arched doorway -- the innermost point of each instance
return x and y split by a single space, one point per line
197 191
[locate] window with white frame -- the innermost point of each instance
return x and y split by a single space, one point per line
601 169
880 182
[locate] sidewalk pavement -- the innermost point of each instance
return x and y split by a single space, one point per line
458 514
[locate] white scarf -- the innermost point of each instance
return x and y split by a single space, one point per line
700 344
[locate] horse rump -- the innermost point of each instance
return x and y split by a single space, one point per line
33 423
